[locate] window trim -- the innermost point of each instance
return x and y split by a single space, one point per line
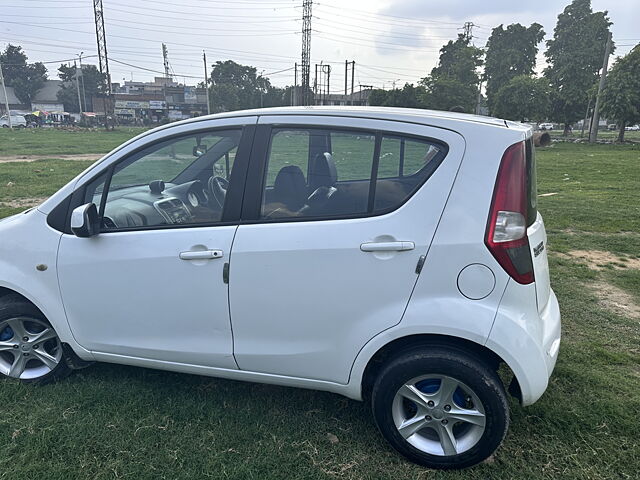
256 178
231 212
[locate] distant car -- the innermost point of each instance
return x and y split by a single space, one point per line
362 251
546 126
632 128
612 126
16 121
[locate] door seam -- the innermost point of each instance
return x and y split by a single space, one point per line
233 342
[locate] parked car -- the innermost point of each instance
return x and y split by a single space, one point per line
389 255
17 121
546 126
632 128
612 126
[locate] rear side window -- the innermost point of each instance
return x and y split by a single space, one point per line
323 173
288 148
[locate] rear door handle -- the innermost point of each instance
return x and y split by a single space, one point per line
201 254
387 246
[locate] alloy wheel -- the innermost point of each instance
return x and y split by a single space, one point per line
438 415
29 348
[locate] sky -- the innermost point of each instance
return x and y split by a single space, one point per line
391 41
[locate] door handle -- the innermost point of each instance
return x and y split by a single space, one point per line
387 246
201 254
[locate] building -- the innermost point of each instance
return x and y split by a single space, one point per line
356 98
160 100
46 99
14 103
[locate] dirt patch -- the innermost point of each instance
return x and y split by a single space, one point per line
32 158
570 231
23 202
616 300
599 260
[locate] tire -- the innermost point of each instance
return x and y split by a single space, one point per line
40 359
451 408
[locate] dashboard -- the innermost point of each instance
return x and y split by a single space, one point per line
159 204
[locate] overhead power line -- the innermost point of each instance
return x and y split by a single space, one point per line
150 69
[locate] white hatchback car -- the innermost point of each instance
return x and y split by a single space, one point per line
17 121
391 255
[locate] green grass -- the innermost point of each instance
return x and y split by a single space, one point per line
113 421
49 141
610 135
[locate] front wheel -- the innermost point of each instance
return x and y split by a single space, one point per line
440 408
30 349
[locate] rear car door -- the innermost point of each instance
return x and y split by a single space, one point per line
150 285
336 216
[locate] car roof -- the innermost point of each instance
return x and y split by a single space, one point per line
412 115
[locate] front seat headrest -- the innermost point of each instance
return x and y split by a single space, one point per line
323 173
290 187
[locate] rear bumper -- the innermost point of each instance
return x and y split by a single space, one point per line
527 340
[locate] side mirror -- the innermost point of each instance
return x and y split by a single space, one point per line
85 221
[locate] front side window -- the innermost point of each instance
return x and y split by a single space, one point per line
183 180
324 173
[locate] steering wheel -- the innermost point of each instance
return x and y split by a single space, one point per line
218 187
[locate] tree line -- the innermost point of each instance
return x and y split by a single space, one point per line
513 90
562 93
232 86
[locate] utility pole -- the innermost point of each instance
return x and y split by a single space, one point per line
315 85
586 117
306 50
206 81
326 70
353 74
6 99
261 91
165 60
294 93
78 87
593 133
101 38
479 101
346 77
84 93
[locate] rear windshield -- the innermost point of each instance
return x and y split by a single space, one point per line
532 187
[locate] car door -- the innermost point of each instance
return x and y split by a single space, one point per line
151 283
337 214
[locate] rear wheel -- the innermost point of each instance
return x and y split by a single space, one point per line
30 349
440 408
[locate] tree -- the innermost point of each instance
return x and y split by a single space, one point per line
455 81
511 52
575 57
523 98
407 96
621 94
26 79
236 87
91 79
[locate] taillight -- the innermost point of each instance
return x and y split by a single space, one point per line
507 228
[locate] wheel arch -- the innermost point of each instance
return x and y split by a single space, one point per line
399 345
4 291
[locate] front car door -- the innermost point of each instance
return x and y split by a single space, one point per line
337 213
150 284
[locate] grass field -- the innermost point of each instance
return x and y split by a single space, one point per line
50 141
121 422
